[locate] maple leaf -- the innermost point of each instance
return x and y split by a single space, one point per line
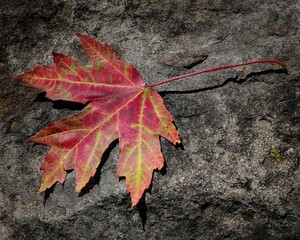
119 106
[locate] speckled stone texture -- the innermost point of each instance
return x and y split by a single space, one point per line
236 176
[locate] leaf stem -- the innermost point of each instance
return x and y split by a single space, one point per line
282 64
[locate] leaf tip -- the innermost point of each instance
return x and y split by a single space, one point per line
55 54
42 189
79 187
18 76
78 34
133 205
134 202
32 139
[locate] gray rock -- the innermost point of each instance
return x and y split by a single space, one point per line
225 182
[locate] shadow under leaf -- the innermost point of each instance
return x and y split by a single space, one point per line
59 104
229 80
96 178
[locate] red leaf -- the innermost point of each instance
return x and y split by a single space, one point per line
120 107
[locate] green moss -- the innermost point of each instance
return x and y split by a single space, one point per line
13 125
276 154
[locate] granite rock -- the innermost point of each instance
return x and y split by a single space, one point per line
236 175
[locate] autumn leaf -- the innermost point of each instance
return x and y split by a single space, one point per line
119 106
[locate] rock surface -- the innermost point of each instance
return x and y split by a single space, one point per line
225 182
